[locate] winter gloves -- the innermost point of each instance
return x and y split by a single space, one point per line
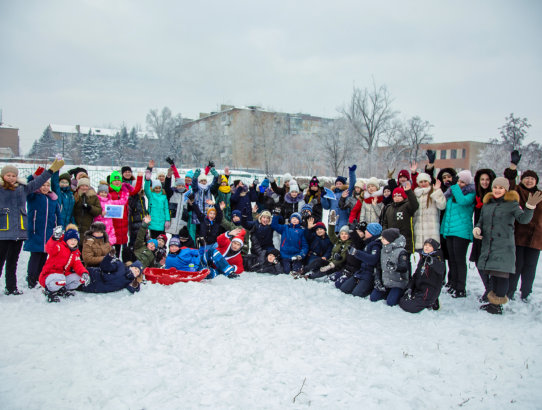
170 161
332 218
515 157
431 156
296 258
214 172
85 279
353 168
327 267
56 165
455 179
58 231
534 199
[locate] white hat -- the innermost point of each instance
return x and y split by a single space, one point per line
423 177
373 181
293 186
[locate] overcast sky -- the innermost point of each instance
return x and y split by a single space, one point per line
462 65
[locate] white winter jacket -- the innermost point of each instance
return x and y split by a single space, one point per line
427 217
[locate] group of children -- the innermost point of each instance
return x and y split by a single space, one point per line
228 227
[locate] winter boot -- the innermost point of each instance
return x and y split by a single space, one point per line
52 297
491 308
435 306
65 293
459 294
14 292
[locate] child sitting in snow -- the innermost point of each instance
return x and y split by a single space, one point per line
112 275
293 245
320 246
144 249
395 264
63 271
424 288
269 262
160 252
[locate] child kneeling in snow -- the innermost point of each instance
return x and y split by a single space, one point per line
424 287
395 263
113 275
63 271
293 245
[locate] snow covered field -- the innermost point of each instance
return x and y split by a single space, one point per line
253 342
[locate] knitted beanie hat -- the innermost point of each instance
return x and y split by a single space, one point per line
433 242
423 177
83 181
103 188
465 176
372 181
9 168
403 173
501 181
319 225
391 234
345 228
400 191
153 241
156 184
71 232
530 173
374 229
296 215
66 177
175 241
341 179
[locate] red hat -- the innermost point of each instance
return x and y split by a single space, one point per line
163 237
404 173
319 225
400 191
240 237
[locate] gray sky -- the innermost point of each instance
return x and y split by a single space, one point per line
462 65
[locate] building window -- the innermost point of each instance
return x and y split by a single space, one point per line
453 154
442 154
464 153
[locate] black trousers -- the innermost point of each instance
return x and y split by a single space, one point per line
526 261
457 262
35 265
9 255
499 285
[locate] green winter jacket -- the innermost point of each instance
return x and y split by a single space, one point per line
141 252
457 220
340 248
496 221
158 208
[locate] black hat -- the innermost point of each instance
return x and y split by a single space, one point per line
391 234
274 252
432 242
530 173
124 169
183 234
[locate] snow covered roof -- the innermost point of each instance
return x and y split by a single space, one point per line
72 129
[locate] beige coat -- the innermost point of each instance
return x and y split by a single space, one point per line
427 217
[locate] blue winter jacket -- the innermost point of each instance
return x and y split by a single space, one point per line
369 257
187 260
342 214
457 220
292 241
66 201
319 247
42 217
112 275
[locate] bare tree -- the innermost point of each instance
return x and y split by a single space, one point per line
415 133
369 115
335 145
513 132
166 128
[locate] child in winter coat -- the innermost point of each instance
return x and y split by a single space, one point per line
106 199
209 224
400 213
178 198
202 194
96 244
333 204
13 218
62 188
261 234
337 261
63 271
87 205
293 245
313 197
431 201
269 262
456 228
222 193
112 275
293 201
143 248
395 265
320 246
496 230
362 282
43 216
158 207
229 244
373 204
161 249
424 287
242 198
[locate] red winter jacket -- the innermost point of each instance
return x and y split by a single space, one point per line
61 259
224 244
121 225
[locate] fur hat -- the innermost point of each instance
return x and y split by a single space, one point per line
98 226
319 225
103 188
153 241
72 232
423 177
373 181
433 242
83 181
175 241
465 176
374 229
340 179
156 184
399 190
530 173
500 181
124 169
265 213
403 173
9 168
296 215
183 234
66 177
293 186
391 234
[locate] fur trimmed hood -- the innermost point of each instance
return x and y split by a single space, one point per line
510 196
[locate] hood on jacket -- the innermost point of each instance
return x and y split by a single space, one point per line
509 196
480 192
19 181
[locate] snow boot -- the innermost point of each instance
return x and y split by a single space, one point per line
52 297
435 306
65 293
491 308
456 294
14 292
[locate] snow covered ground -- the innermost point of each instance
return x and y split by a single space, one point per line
259 342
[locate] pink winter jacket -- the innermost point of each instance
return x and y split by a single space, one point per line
124 196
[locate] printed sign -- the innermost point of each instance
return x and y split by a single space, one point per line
114 211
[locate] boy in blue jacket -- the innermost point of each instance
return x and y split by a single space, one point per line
293 245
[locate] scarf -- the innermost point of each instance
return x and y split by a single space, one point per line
225 189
